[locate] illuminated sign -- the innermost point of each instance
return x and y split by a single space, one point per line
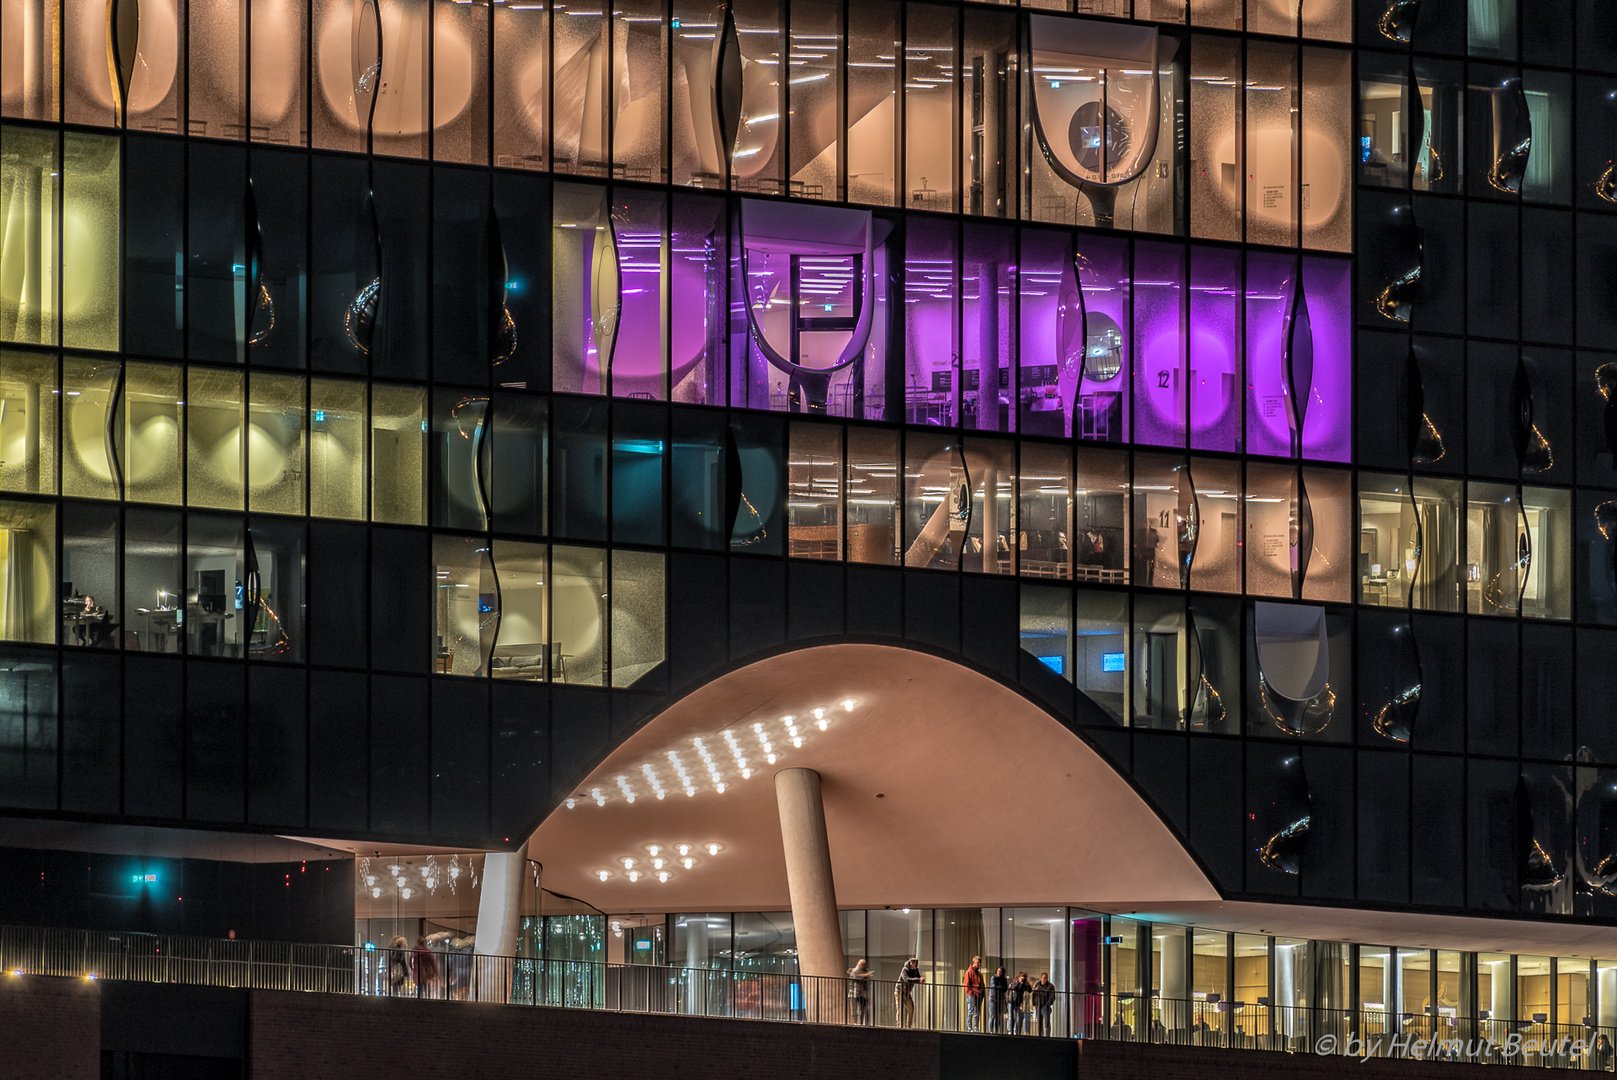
1111 661
145 879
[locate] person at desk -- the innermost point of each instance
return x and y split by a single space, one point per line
90 623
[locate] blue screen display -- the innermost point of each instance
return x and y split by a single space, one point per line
1057 664
1111 661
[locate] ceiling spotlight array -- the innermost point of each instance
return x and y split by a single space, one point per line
662 863
770 740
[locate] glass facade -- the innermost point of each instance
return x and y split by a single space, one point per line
366 371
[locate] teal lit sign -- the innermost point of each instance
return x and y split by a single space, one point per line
145 879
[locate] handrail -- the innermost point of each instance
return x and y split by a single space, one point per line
790 997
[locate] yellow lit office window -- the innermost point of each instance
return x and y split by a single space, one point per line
27 572
29 196
577 613
519 650
275 444
90 235
89 388
465 608
153 415
28 402
213 439
337 449
398 454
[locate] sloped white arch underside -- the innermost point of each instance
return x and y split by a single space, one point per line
984 798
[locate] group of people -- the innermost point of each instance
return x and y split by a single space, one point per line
1005 1004
1000 999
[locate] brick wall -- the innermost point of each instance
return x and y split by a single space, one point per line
1131 1061
53 1031
296 1036
52 1028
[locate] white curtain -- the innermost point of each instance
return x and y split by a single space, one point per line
16 599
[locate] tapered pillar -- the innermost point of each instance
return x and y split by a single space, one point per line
808 874
499 915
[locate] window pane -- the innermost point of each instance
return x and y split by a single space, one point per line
931 321
459 431
696 279
1044 512
1216 356
276 571
1100 650
337 426
931 105
638 350
1547 584
639 586
460 79
874 85
91 236
465 606
398 454
1496 550
1271 92
1100 512
1162 659
814 94
217 59
1046 627
275 443
1215 151
989 546
154 587
32 84
1162 382
578 603
1327 172
988 326
1102 409
213 438
28 406
154 413
814 491
214 571
1164 521
639 57
586 285
936 501
90 564
517 461
31 200
27 572
280 44
88 429
519 648
872 489
521 84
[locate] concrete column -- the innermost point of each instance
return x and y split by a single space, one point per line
808 876
499 914
1175 989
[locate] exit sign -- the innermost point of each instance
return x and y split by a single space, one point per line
143 879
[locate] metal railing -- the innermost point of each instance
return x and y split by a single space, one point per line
789 997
